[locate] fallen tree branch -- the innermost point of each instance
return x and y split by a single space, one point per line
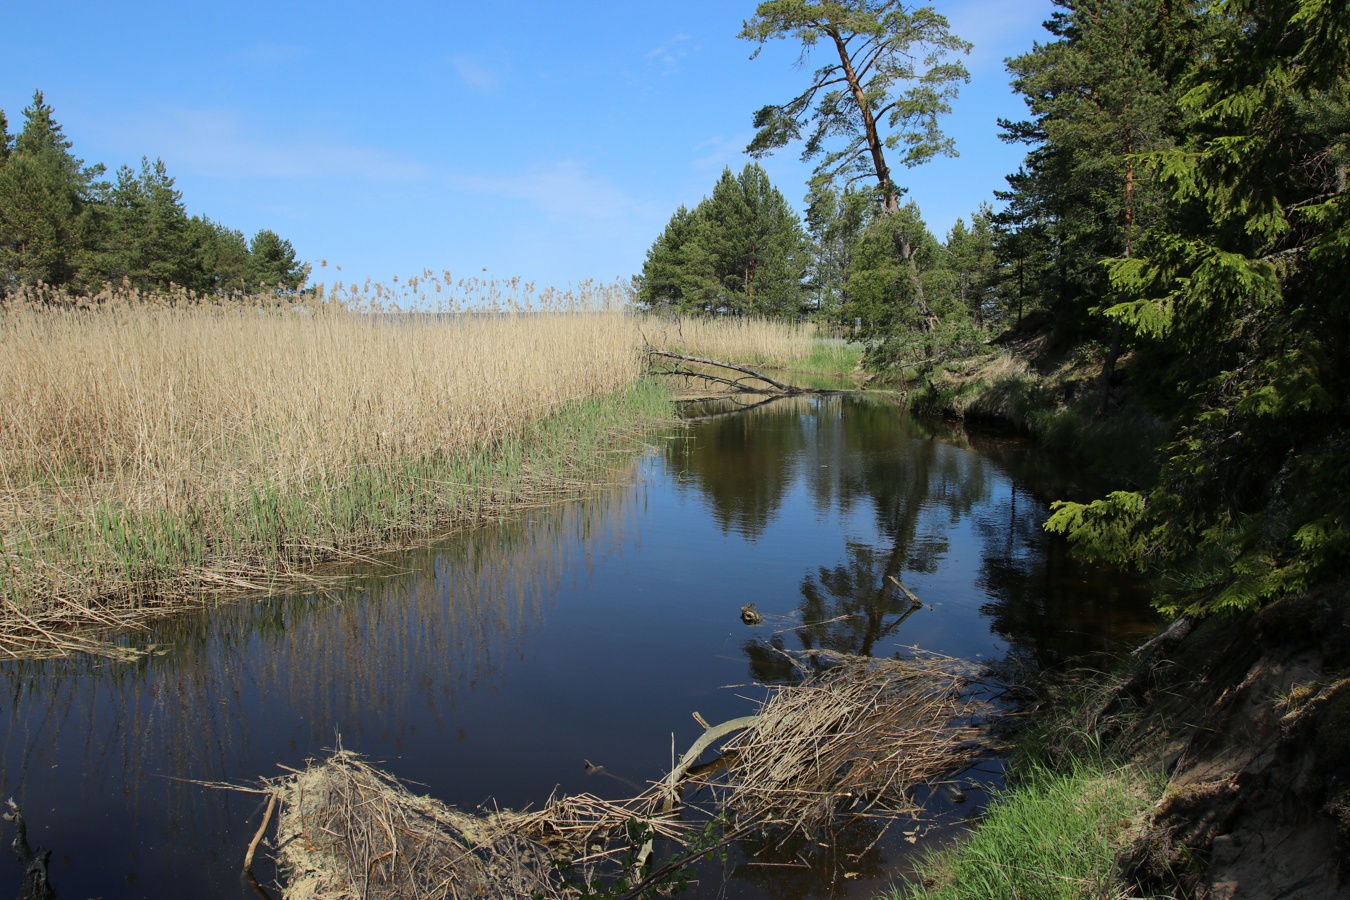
785 388
670 786
686 373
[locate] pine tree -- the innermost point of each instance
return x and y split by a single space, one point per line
675 276
971 262
274 266
1245 286
887 81
741 251
1102 93
756 244
6 139
44 190
836 221
223 257
146 240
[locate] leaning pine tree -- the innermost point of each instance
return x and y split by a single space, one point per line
886 80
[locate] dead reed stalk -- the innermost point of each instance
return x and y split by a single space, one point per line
851 742
348 830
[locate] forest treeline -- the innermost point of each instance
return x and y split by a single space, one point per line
63 224
1182 205
744 251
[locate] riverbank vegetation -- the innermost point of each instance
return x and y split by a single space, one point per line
1166 275
154 447
1053 836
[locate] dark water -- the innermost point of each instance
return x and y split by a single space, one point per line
492 666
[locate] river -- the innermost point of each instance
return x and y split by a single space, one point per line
491 666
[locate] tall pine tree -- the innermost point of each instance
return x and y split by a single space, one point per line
44 192
1100 94
741 251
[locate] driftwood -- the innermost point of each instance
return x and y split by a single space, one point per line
738 384
914 601
670 785
35 885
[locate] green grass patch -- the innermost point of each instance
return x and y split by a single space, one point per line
830 356
1052 837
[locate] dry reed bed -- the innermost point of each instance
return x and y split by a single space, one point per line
771 344
349 830
155 446
849 742
852 742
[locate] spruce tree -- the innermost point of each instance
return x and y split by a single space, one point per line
1245 286
741 251
44 190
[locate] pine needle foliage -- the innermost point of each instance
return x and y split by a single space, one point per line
1243 289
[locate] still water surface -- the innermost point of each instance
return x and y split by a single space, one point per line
493 665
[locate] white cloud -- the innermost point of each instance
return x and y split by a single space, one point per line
218 143
477 74
670 53
221 144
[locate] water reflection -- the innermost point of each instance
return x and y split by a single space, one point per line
493 665
932 491
383 663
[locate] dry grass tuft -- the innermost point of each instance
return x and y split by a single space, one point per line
348 830
852 742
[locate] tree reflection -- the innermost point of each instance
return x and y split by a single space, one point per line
919 487
744 464
1049 605
852 606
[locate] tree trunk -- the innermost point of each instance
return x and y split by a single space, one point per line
1109 367
874 144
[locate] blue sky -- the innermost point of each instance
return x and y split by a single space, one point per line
545 140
